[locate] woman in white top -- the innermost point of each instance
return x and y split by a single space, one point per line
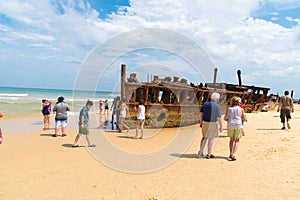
234 117
123 111
140 118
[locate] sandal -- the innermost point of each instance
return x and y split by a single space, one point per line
92 145
232 158
75 146
54 135
63 135
209 156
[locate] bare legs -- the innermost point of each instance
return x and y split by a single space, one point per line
210 145
63 130
46 122
100 119
77 139
202 145
106 113
141 126
123 124
56 130
233 146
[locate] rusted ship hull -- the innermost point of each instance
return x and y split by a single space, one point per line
177 103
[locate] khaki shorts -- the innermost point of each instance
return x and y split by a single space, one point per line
84 130
210 130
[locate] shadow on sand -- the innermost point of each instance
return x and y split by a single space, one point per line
195 156
47 134
38 123
269 129
223 136
126 137
69 145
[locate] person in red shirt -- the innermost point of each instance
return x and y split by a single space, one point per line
243 107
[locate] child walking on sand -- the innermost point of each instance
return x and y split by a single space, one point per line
234 117
140 119
83 124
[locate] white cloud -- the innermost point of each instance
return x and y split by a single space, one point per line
290 19
284 5
225 29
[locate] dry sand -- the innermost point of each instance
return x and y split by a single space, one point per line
35 165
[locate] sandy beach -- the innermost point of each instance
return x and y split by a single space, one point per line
35 165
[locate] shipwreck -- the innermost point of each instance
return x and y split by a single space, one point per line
175 102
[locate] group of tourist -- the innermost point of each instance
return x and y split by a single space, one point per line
211 122
210 119
61 109
119 110
103 110
118 107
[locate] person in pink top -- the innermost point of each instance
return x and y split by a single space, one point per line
101 108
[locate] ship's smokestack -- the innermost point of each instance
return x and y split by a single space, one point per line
292 94
239 73
123 80
215 75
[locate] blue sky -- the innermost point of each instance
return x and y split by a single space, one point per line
45 43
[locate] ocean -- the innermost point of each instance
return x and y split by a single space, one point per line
28 101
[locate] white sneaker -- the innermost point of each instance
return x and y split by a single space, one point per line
200 154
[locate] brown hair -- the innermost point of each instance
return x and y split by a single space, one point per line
234 101
141 102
